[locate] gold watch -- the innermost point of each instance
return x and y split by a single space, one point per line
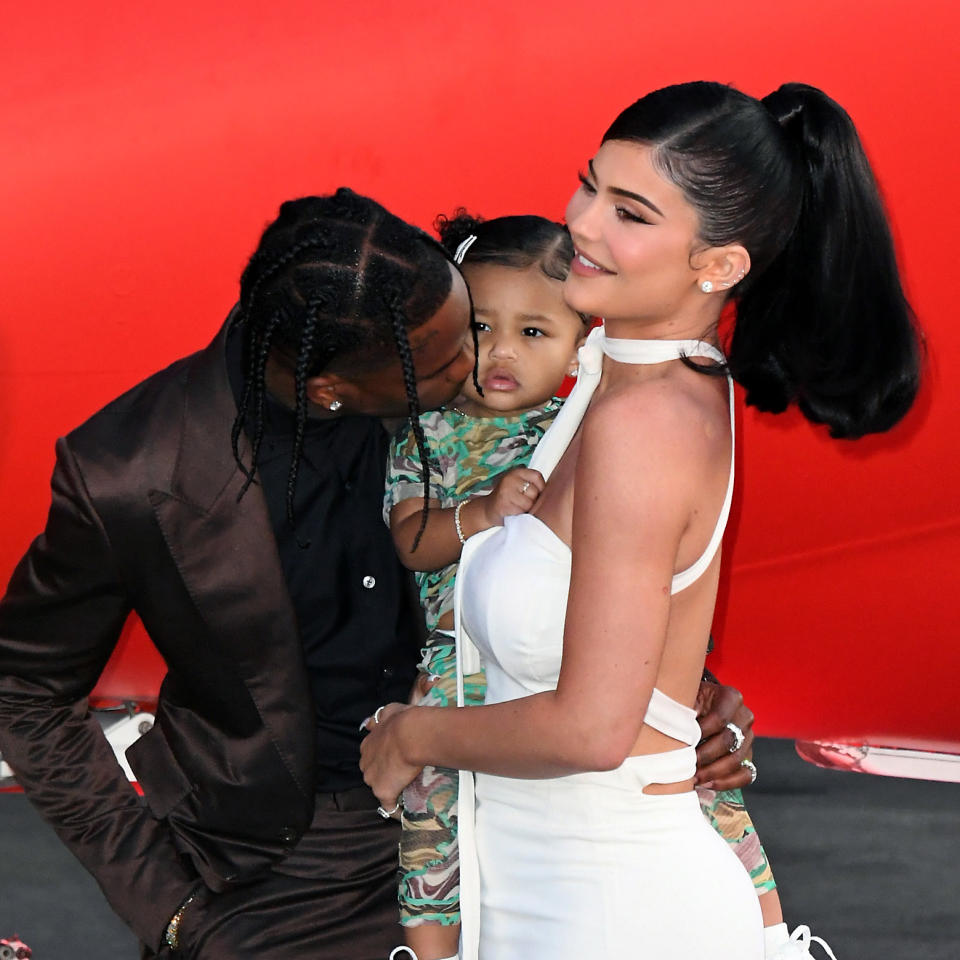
172 936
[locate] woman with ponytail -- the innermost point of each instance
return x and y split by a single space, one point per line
592 612
822 320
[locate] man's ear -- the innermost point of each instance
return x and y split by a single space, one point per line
722 267
324 390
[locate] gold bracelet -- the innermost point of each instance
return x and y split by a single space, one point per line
172 937
456 520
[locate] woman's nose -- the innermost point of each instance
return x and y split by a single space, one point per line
583 218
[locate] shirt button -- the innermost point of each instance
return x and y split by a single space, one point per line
288 835
369 582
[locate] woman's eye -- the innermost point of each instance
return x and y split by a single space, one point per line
533 332
585 184
624 214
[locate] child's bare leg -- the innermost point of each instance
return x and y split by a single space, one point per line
770 908
433 941
728 816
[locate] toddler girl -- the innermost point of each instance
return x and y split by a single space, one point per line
528 340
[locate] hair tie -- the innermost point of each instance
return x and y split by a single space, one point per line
461 251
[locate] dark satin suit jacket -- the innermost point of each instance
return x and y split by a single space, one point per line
145 517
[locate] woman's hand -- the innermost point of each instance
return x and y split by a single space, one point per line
719 766
384 767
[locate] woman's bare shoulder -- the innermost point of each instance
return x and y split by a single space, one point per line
666 420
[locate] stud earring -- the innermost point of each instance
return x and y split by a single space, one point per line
706 286
575 371
335 406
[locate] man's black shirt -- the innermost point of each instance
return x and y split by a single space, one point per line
356 611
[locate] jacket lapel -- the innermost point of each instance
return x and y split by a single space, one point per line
226 552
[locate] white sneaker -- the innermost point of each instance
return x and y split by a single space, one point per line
797 947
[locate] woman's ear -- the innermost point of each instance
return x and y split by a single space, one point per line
722 268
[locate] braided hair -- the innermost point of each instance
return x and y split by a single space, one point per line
334 277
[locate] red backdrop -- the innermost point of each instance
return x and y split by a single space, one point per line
145 147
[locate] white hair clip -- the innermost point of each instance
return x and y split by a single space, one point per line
463 248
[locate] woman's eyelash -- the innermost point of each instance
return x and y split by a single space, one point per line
624 214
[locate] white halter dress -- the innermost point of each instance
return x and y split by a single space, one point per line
587 866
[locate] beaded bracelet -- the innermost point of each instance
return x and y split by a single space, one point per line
456 520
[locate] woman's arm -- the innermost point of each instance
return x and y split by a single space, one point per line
628 522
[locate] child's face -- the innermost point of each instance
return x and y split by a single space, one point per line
528 338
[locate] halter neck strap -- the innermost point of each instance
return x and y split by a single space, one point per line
556 440
656 351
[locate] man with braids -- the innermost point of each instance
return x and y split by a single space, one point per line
269 583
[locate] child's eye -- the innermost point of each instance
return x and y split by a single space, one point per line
481 327
533 332
624 214
585 184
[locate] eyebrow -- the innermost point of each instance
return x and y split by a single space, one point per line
524 317
449 363
536 318
620 192
426 339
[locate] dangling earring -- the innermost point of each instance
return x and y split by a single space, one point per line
575 371
335 406
706 286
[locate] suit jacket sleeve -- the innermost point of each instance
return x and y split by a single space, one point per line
59 622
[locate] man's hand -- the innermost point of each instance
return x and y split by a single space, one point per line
717 767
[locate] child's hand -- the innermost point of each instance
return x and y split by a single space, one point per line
421 687
516 492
